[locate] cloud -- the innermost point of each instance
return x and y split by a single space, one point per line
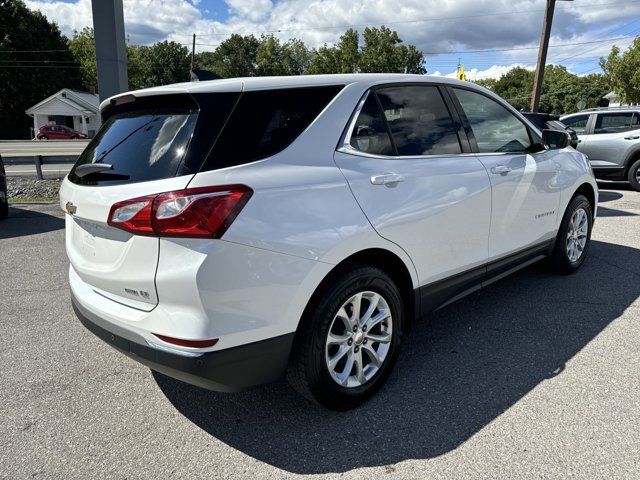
495 71
434 26
452 24
253 10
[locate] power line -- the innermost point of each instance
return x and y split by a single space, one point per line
606 41
530 48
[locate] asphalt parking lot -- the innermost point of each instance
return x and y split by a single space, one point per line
536 376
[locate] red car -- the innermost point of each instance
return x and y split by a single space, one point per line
58 132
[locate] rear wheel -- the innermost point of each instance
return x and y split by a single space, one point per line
43 137
634 176
574 236
348 342
4 208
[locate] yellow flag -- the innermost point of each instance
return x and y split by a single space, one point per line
461 74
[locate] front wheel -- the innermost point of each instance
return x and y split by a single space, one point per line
348 342
574 236
634 176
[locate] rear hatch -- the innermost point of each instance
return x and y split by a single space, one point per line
146 145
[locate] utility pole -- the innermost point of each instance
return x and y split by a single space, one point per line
193 54
542 54
111 50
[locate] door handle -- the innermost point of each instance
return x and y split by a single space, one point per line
632 138
500 170
387 179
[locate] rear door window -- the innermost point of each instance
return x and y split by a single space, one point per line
266 122
370 134
419 121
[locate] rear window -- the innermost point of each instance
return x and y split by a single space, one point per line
152 138
266 122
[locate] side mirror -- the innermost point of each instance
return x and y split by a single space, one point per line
555 139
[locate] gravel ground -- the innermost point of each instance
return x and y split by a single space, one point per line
537 376
25 188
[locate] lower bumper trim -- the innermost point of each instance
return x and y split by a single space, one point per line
230 370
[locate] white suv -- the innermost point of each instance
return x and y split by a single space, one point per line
228 232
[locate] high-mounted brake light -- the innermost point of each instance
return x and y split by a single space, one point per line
205 212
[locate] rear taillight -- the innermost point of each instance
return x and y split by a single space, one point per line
204 212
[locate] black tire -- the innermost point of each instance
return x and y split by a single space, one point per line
43 137
634 176
308 372
4 209
559 259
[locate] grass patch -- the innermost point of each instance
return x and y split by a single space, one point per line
33 200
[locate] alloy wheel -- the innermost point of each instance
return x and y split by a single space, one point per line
359 339
577 234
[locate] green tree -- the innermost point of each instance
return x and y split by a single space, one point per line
234 57
622 71
561 89
382 51
270 56
164 63
83 48
489 83
137 68
28 74
515 87
296 57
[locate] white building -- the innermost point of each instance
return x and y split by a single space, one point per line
75 109
614 100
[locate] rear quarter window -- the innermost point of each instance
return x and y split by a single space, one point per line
266 122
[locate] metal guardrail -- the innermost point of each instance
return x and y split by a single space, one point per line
26 148
19 150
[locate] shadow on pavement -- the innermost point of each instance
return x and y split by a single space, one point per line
24 221
457 373
608 196
614 212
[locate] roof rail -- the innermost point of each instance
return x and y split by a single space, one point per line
619 107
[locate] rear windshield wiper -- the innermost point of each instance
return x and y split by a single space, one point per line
89 168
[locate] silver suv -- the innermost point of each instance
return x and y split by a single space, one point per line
611 139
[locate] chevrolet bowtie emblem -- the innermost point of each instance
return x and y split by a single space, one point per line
70 208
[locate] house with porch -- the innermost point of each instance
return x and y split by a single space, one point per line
73 108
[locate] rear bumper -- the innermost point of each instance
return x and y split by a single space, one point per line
230 370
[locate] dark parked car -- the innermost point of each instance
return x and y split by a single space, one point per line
4 200
547 121
58 132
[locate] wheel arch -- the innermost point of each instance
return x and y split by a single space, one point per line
632 157
588 191
385 260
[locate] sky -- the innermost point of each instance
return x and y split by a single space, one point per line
447 31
